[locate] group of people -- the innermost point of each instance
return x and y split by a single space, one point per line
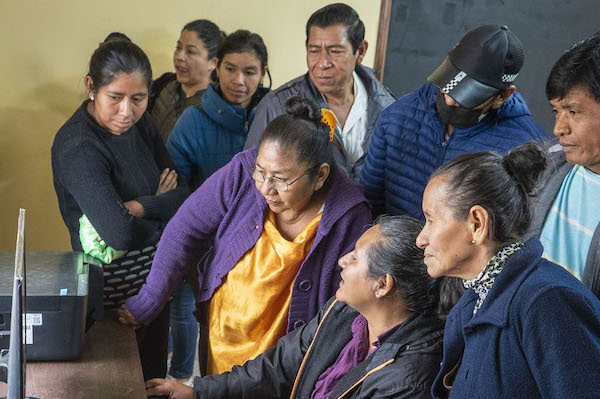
479 276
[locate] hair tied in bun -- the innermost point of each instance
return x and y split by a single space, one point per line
329 120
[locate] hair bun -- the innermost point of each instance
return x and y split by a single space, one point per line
304 108
525 164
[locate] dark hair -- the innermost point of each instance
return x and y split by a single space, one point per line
241 41
502 185
397 254
579 66
208 32
114 57
300 130
339 13
116 36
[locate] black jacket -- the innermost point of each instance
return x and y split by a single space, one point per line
404 366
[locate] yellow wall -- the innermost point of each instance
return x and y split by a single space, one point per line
45 46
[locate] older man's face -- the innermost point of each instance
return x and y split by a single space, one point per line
330 58
577 127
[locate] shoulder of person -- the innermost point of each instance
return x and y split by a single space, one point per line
159 83
75 132
344 190
297 86
374 87
422 99
245 160
157 87
513 107
147 126
548 280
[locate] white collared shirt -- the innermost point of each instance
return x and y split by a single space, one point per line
355 129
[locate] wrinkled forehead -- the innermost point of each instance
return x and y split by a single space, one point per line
369 237
436 195
273 155
328 35
578 95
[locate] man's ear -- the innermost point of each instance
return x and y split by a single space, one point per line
503 96
362 50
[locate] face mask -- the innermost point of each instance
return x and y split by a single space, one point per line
457 116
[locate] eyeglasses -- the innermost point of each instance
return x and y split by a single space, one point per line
276 182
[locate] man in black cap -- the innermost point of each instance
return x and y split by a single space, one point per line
469 104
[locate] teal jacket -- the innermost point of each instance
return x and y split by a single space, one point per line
206 138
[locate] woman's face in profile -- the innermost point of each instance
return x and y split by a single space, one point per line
118 105
357 288
445 239
277 165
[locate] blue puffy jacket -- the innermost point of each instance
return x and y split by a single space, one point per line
206 138
408 146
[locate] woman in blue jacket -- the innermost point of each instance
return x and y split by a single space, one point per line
205 138
525 328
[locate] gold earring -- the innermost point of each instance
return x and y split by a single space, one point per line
474 242
92 98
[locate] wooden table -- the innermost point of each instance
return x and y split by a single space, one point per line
108 368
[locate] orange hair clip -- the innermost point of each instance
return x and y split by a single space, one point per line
329 120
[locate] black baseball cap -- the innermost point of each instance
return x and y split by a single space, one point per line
485 61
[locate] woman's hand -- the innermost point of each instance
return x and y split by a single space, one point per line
172 389
127 318
168 181
135 208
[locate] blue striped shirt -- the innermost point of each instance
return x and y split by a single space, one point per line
569 226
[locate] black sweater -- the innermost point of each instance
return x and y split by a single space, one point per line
96 171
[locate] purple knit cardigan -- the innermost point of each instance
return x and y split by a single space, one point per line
229 206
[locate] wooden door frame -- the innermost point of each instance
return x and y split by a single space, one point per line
382 38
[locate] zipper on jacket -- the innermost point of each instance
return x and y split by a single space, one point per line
445 144
308 350
365 376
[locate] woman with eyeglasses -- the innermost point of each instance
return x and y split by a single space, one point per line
280 216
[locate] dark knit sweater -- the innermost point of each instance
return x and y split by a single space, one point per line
96 171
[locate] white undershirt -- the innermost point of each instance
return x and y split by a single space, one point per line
355 129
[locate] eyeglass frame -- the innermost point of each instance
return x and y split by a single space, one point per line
270 179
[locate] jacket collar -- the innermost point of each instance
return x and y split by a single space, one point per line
377 93
417 333
233 117
495 309
513 107
378 97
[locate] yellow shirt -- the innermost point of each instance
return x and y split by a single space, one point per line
249 312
